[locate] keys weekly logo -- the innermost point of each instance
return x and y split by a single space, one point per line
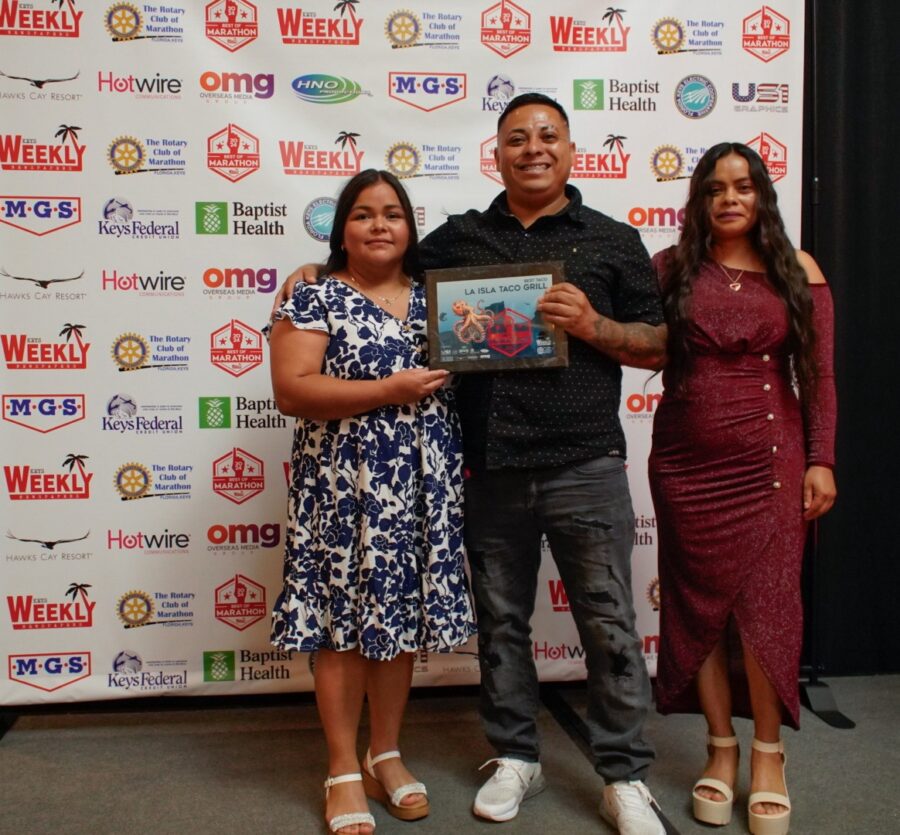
27 483
300 26
302 158
571 35
24 352
23 19
39 214
29 612
25 153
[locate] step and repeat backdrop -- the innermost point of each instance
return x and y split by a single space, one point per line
163 168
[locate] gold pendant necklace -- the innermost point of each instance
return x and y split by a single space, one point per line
734 282
383 299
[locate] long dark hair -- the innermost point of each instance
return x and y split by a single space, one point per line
337 259
771 244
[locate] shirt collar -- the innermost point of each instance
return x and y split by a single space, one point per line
572 209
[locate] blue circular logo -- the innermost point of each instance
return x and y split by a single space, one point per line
695 96
318 218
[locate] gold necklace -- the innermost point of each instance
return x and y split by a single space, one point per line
383 299
734 282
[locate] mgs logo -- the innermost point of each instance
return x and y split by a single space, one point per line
766 34
427 91
43 412
218 665
232 153
238 476
231 24
49 671
39 215
240 602
505 28
23 19
236 348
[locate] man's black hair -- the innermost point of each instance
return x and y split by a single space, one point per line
532 98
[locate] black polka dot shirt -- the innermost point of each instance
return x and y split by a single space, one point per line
549 417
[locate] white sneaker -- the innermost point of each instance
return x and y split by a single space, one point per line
513 781
626 806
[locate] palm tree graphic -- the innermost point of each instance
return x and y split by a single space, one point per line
346 136
78 588
72 459
68 132
346 6
614 16
613 140
69 330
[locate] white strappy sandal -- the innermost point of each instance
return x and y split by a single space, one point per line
707 810
339 822
392 802
779 823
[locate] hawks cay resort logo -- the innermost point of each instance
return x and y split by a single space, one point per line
505 28
27 483
39 215
302 158
37 80
439 30
232 24
120 219
140 87
124 416
232 153
145 22
132 351
302 26
236 348
27 153
227 87
211 217
240 413
49 671
228 282
43 412
25 352
40 18
427 90
238 475
569 34
696 37
138 608
150 155
131 673
135 480
240 602
46 552
41 290
29 611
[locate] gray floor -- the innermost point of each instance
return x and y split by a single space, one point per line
259 769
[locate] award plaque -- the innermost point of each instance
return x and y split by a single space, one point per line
486 318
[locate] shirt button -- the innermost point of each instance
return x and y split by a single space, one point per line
767 387
770 416
774 450
765 357
776 485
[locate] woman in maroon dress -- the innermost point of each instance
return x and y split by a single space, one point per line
740 463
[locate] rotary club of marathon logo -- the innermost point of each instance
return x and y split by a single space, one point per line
137 608
670 37
231 24
667 163
403 28
133 480
133 22
132 352
403 159
232 153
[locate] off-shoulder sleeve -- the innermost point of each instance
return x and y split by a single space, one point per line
306 309
820 414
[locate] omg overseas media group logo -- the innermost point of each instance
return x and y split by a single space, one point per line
128 22
306 27
28 153
41 18
232 87
228 282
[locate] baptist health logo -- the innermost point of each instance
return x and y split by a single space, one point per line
211 218
218 665
215 413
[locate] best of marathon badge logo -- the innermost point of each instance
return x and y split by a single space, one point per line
232 153
130 155
299 26
49 671
232 23
142 22
39 215
766 34
132 352
773 153
571 35
404 28
43 412
23 19
427 91
23 352
240 602
22 153
670 37
29 612
300 158
27 483
238 476
236 348
505 28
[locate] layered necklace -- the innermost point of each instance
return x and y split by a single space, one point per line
734 281
387 300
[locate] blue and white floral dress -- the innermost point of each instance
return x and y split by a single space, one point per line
374 554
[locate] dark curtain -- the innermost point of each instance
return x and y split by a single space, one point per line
851 226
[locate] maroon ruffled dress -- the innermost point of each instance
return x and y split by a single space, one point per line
726 474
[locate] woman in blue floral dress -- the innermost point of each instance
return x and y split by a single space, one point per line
374 561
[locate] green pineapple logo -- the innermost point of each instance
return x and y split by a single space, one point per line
211 218
218 665
215 413
588 93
